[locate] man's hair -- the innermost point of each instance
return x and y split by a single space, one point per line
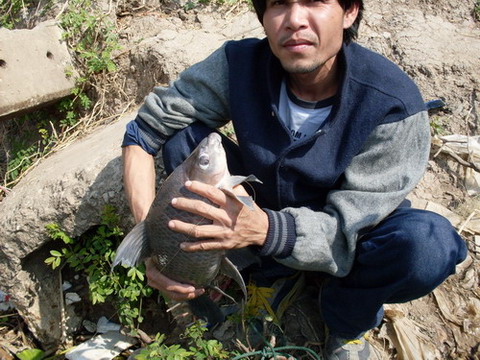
348 34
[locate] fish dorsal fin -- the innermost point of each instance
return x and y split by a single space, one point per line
227 268
133 248
232 181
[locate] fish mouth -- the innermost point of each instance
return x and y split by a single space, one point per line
215 141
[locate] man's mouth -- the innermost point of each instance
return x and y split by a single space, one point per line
297 45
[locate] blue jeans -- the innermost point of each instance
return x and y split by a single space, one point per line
403 258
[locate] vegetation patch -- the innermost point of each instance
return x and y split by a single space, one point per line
92 254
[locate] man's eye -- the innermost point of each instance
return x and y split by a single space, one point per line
277 2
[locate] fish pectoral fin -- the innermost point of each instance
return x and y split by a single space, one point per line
227 268
235 180
245 200
133 248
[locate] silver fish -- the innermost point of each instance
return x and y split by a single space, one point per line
152 237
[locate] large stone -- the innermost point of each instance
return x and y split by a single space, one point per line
70 188
33 65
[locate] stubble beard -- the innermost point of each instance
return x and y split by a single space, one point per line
301 68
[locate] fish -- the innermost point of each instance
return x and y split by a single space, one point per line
153 239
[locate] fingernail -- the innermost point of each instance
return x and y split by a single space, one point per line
188 183
171 224
174 201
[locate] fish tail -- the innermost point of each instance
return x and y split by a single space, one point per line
133 248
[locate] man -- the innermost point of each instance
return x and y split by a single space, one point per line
338 135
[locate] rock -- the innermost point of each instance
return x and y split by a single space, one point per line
70 188
29 58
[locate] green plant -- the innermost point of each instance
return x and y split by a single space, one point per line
199 348
204 349
436 124
93 254
476 10
11 12
158 350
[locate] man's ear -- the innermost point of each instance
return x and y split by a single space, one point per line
350 15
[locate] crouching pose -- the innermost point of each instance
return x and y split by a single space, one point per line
338 135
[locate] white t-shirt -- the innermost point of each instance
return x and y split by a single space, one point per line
302 117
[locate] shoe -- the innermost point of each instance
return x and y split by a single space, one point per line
337 348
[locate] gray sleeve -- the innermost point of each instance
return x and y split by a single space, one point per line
392 162
199 93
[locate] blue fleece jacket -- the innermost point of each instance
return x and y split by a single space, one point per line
323 191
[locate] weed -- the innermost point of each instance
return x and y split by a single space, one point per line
476 10
198 347
93 255
12 12
437 125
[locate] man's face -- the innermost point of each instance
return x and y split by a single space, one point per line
306 34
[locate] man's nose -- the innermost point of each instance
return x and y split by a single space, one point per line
297 16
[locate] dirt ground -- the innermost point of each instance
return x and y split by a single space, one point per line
446 323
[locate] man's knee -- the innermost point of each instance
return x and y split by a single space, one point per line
427 249
414 251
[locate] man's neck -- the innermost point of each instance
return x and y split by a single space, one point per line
317 85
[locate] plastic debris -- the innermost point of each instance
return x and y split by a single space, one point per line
435 104
104 325
71 298
5 303
66 285
101 347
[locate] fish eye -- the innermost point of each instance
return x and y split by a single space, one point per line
203 161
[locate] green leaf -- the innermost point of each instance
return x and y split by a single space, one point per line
31 354
55 253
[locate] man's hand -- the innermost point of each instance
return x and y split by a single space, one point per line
169 288
234 225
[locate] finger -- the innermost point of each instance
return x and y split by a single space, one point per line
168 287
198 231
205 245
210 192
200 208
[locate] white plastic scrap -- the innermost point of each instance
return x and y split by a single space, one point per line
102 347
104 325
66 285
5 303
71 298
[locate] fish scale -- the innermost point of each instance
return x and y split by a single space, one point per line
171 259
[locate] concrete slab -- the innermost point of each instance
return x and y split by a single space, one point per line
32 68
